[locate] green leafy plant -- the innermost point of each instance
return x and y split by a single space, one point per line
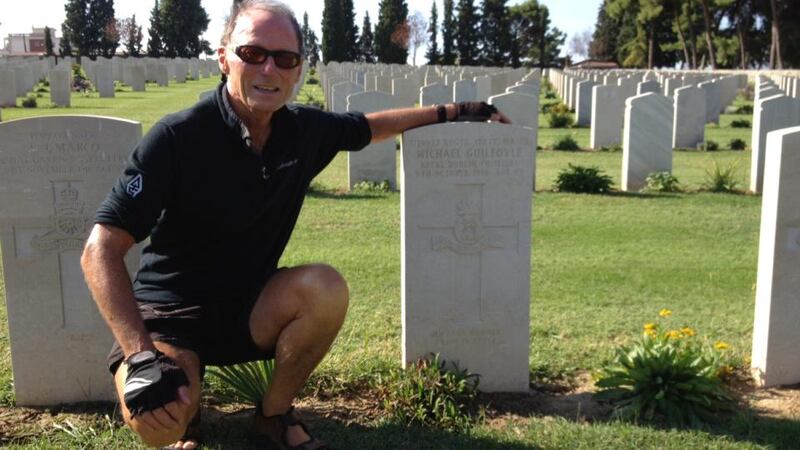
559 116
669 376
613 148
566 143
737 144
662 182
247 382
550 95
740 123
431 393
29 101
745 109
373 186
80 82
709 146
721 179
582 179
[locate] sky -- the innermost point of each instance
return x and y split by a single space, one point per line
570 16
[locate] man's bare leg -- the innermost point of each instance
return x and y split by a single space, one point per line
166 425
298 313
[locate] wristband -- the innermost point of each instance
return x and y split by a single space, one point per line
441 112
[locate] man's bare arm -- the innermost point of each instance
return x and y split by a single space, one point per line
108 280
389 123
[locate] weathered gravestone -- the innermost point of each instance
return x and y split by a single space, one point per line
608 110
60 87
466 228
137 79
378 161
647 139
8 88
775 358
769 114
54 172
434 94
689 117
465 91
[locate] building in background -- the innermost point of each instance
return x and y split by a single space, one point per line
22 44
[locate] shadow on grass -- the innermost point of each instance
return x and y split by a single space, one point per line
344 195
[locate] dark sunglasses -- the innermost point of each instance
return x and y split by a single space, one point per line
252 54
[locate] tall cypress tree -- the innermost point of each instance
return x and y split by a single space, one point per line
366 41
155 47
182 24
75 25
391 18
448 34
310 44
495 31
102 33
332 32
467 35
433 46
64 47
48 42
350 35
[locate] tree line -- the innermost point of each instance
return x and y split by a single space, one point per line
696 34
466 34
90 29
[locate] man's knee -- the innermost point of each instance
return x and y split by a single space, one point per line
325 284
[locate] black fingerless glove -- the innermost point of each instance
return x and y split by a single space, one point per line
153 380
474 112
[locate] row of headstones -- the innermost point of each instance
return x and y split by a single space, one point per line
465 237
18 79
377 162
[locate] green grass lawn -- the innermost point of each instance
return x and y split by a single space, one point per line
601 267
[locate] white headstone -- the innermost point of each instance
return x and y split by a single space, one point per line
340 93
583 102
137 80
60 87
483 88
378 161
465 239
712 100
104 80
775 359
608 111
434 94
522 109
648 86
465 91
769 114
647 139
8 88
406 91
689 121
54 172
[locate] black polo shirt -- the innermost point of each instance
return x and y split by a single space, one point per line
218 215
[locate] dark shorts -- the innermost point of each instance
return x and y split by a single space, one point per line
218 333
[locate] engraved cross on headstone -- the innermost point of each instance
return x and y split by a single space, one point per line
468 236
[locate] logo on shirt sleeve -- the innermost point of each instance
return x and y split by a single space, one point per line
134 187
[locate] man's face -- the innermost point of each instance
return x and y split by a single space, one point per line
260 89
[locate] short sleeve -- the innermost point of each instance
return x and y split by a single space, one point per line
145 186
342 131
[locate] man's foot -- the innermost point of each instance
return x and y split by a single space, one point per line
284 431
190 439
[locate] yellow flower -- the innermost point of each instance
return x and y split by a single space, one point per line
672 334
665 313
725 370
688 332
720 345
650 333
650 326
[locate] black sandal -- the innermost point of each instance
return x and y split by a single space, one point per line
193 433
271 431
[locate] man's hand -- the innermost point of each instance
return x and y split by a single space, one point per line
478 112
153 381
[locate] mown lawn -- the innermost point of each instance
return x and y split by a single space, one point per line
601 267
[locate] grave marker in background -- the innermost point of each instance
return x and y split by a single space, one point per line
647 139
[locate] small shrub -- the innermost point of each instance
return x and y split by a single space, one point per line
29 101
709 146
740 123
737 144
590 180
80 82
428 393
613 149
42 89
566 143
559 116
661 182
372 186
721 179
669 376
244 382
745 109
550 95
312 80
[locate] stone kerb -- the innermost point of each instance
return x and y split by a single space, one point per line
378 161
769 114
8 88
689 121
647 139
54 172
775 359
608 111
465 249
434 94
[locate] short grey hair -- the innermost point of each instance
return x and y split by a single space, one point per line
273 6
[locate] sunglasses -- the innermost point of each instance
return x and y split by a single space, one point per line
252 54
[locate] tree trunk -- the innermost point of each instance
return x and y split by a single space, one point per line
650 50
692 38
709 38
775 59
742 35
682 39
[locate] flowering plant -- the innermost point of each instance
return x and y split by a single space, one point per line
667 374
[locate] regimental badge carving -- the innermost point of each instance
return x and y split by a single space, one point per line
70 224
468 235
